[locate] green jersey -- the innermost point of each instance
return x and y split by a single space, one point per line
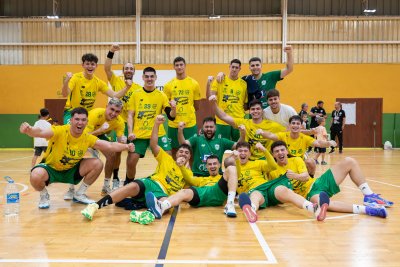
203 148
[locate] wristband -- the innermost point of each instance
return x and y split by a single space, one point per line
110 54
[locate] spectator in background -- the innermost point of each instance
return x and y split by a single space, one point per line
337 126
304 109
40 144
321 135
316 112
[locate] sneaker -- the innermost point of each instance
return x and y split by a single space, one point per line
332 150
105 190
316 161
44 201
82 199
376 199
245 205
324 163
89 211
376 210
340 151
153 205
145 217
70 194
229 210
115 184
321 208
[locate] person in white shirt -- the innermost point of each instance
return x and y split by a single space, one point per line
276 111
40 144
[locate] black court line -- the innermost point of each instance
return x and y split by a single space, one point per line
165 244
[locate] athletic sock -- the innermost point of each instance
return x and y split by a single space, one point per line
359 209
231 196
82 189
115 172
309 206
365 189
165 205
71 186
107 182
43 192
105 201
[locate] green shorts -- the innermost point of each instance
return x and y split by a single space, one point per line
325 183
187 133
210 196
71 176
104 137
267 190
141 145
67 116
228 132
148 185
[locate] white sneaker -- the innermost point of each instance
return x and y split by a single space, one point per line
229 210
115 185
70 194
105 190
82 198
44 202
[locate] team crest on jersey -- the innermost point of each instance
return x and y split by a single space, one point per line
80 153
203 145
164 139
217 146
264 82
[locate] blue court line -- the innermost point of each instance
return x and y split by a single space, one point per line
167 237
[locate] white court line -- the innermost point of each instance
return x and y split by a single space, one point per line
7 160
379 182
267 250
24 187
308 220
100 261
349 187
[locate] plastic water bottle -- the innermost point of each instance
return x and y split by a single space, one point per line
11 194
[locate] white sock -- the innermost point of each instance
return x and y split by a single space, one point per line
43 192
107 182
231 196
71 186
309 206
365 189
82 189
165 205
359 209
253 207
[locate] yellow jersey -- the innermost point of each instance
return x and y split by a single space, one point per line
252 174
296 165
184 92
83 91
296 147
168 173
146 106
97 117
64 150
232 95
252 138
117 84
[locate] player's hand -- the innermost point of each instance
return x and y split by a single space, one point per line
181 125
260 147
212 98
235 154
131 147
172 103
259 131
210 79
114 47
123 139
291 174
288 49
332 143
131 136
242 130
25 128
180 161
105 126
313 131
128 83
220 77
68 76
160 119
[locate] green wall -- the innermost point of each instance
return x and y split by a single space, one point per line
391 128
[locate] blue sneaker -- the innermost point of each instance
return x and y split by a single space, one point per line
153 205
376 210
245 205
376 199
322 207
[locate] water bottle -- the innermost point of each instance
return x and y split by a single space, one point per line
11 194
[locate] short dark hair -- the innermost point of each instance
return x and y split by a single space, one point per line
320 102
237 61
206 119
149 69
278 143
212 157
79 110
44 112
272 93
242 144
179 59
295 118
89 57
255 102
254 59
303 105
185 146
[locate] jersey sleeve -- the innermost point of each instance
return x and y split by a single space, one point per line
103 86
167 90
300 165
274 75
227 144
92 120
309 140
92 140
120 129
193 141
165 102
239 121
214 86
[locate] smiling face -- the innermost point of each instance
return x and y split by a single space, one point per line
184 153
129 71
295 126
209 129
180 67
112 111
89 67
213 166
244 154
78 123
255 68
273 102
256 111
149 79
280 154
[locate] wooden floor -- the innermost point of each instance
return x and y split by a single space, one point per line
283 236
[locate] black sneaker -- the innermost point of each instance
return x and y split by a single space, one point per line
332 150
